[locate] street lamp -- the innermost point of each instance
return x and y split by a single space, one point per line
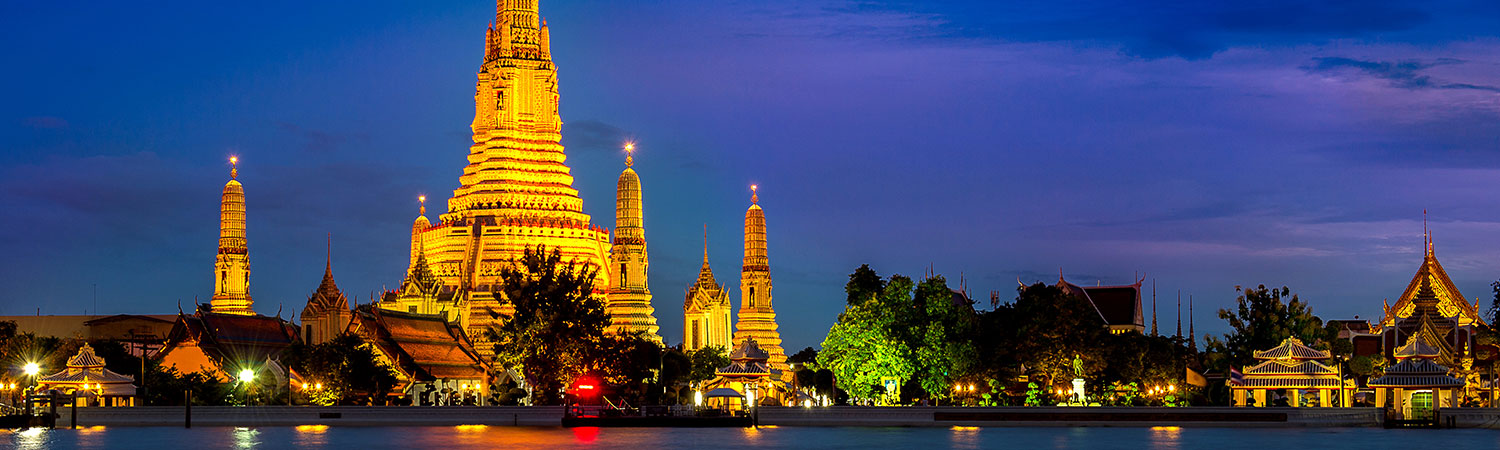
247 376
32 369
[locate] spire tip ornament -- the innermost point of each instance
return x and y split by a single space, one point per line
234 167
629 154
422 200
754 194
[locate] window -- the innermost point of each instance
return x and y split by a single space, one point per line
622 275
412 309
307 336
752 296
697 331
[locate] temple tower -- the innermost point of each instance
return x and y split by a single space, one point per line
706 310
629 299
327 312
516 192
232 265
757 318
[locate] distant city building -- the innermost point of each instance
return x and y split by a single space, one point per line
1118 306
143 332
757 317
706 320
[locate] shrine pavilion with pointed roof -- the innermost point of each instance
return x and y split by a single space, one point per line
93 384
1293 368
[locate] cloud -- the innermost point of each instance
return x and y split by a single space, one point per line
1401 74
1155 28
593 135
318 141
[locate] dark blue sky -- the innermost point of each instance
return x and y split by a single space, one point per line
1208 146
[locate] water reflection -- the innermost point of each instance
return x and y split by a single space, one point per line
246 438
311 436
585 435
963 437
31 438
1166 437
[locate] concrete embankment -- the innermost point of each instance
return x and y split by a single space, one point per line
1470 417
213 416
1071 417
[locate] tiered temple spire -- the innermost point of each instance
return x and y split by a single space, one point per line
327 311
516 193
706 310
629 300
232 265
757 318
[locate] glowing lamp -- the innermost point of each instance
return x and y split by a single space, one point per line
319 386
247 376
629 146
586 387
1172 387
697 398
234 159
807 403
32 369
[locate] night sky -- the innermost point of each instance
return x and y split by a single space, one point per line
1280 142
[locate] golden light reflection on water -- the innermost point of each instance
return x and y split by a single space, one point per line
751 434
470 428
1166 437
246 438
963 437
312 428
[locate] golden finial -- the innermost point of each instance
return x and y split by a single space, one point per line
234 167
754 196
629 154
423 200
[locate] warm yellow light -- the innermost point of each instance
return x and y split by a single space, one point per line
422 198
234 159
470 428
318 386
697 398
247 376
754 187
958 388
959 428
629 146
32 369
971 388
1172 387
807 403
312 428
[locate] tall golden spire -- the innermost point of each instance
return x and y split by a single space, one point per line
706 320
232 265
757 317
629 302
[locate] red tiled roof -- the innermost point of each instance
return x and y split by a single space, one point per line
424 347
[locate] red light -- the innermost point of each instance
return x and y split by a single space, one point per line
586 386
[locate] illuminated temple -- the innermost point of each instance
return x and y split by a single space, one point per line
757 318
516 192
232 266
706 311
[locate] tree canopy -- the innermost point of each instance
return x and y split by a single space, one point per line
557 324
1262 319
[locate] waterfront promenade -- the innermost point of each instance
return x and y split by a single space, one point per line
843 416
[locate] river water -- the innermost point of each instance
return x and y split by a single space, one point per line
476 437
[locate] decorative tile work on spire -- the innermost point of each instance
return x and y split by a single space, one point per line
629 300
757 317
232 265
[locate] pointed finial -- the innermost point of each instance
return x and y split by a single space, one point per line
754 194
629 154
705 243
234 167
328 266
423 209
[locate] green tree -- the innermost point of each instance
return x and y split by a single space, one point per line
944 348
868 342
807 357
346 366
1264 317
706 362
1052 328
557 325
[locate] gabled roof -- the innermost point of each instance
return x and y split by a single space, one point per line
1417 347
1416 373
85 358
327 297
1281 367
1292 348
231 338
749 350
1116 305
423 347
1449 299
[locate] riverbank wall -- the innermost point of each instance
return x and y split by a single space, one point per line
1070 417
842 416
254 416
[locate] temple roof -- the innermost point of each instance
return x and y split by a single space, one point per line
85 358
1416 373
1292 348
1417 347
327 297
1431 277
1116 305
1282 367
749 350
232 338
423 347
